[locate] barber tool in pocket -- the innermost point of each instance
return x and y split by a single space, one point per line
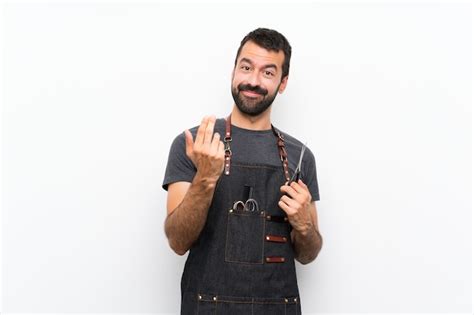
297 174
249 205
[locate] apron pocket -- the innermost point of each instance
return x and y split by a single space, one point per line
238 305
245 237
276 306
225 305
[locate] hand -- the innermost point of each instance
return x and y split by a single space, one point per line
207 151
296 201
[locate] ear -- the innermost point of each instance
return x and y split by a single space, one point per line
283 84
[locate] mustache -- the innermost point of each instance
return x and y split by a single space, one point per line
256 89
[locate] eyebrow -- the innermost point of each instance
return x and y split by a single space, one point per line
270 65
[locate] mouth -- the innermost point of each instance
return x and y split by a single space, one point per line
251 94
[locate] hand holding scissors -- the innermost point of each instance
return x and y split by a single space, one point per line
296 199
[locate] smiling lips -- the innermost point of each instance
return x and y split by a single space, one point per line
251 94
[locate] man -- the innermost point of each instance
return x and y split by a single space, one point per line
230 200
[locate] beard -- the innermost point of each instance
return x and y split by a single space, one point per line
253 106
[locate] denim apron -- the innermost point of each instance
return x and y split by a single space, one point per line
243 261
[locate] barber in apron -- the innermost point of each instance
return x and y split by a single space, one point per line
241 256
243 260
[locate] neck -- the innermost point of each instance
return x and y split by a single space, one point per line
260 122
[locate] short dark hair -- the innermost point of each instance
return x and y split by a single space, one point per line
270 40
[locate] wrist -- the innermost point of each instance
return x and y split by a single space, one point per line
205 181
306 229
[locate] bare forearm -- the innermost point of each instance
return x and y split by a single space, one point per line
306 244
184 224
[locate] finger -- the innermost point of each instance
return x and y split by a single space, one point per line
289 190
293 204
296 186
306 188
285 207
189 142
201 130
303 191
215 144
209 130
302 183
220 150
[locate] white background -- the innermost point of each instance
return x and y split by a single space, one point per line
94 93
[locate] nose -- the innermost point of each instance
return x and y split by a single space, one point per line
254 79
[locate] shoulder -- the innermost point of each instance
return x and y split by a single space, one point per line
295 145
290 141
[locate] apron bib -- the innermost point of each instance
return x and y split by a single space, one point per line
243 261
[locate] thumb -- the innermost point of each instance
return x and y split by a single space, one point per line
302 183
189 142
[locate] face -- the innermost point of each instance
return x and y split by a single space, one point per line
256 78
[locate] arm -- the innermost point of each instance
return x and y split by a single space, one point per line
302 215
307 244
188 203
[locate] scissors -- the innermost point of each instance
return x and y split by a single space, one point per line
297 173
249 205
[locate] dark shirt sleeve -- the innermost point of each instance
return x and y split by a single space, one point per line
180 167
309 174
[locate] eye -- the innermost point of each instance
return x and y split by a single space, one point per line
269 73
245 68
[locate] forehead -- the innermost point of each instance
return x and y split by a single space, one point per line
260 56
